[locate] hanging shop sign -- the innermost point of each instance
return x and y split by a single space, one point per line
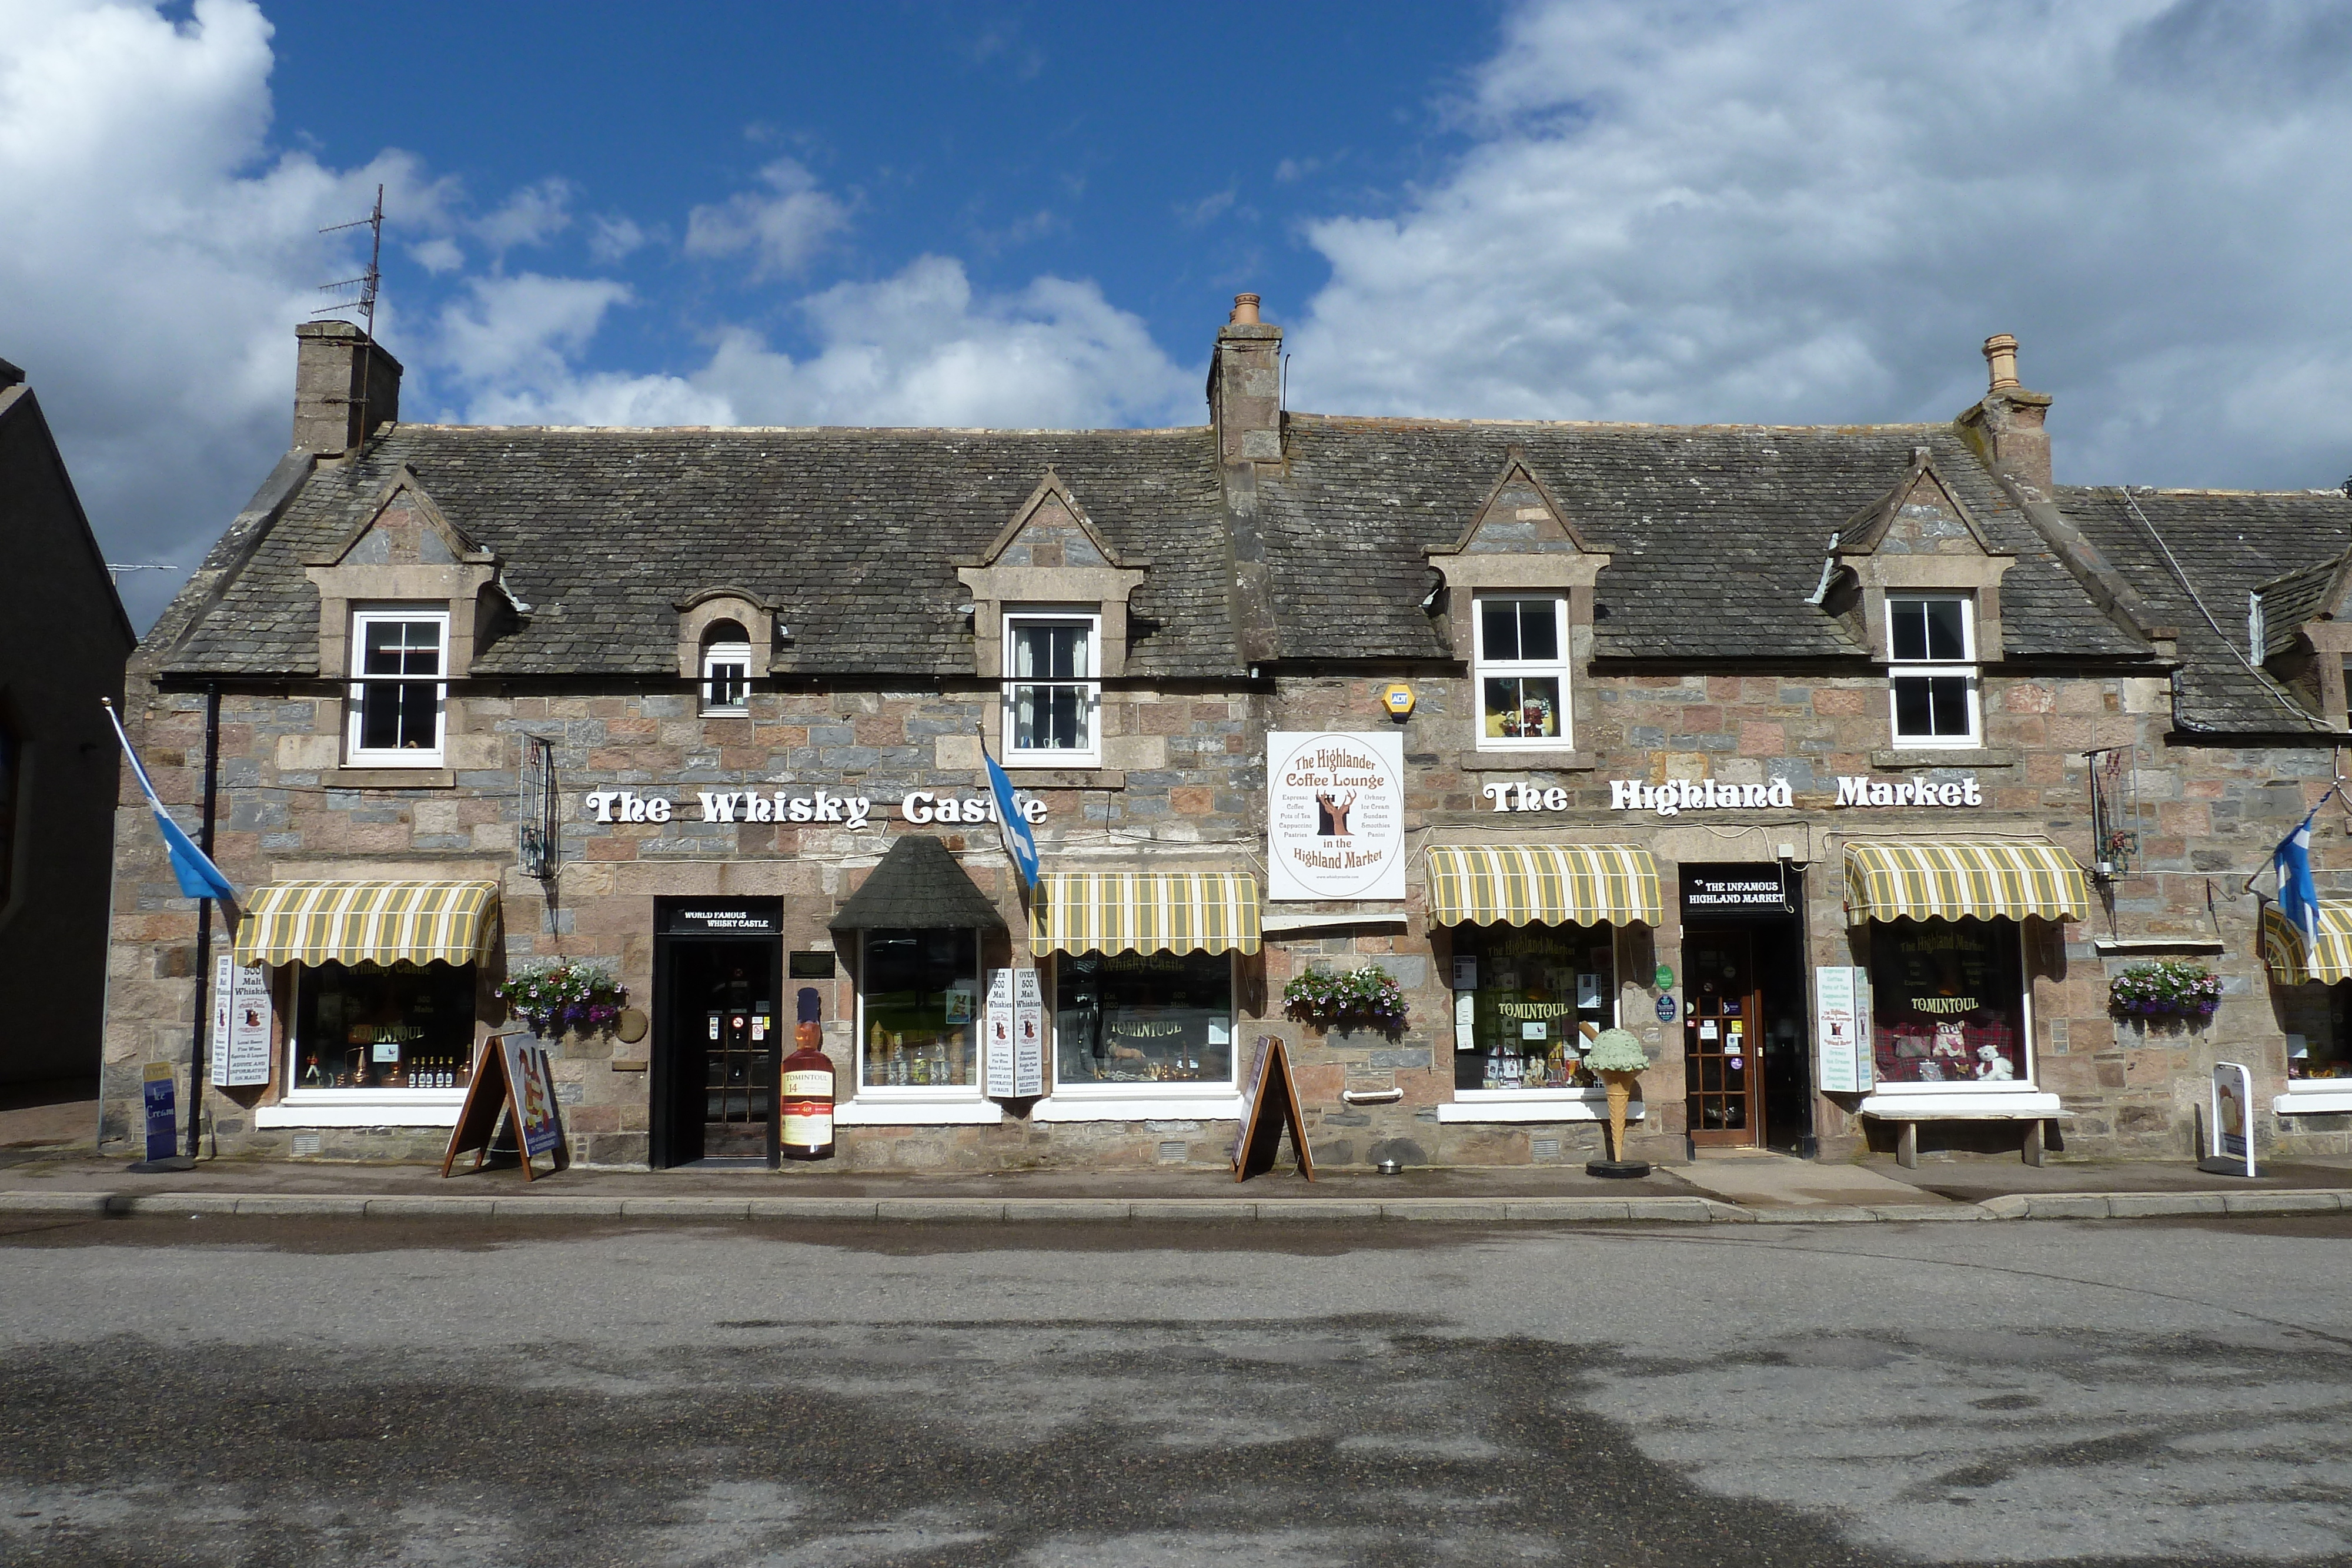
1679 795
1335 815
241 1024
920 806
1756 893
722 917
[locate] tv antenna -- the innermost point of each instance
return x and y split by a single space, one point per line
366 282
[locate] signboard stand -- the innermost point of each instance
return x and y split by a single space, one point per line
2230 1122
512 1076
159 1097
1267 1085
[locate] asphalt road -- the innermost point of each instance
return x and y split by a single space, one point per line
257 1391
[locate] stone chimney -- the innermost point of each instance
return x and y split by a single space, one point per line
1245 387
344 388
2006 429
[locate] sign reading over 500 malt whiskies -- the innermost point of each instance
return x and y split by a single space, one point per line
1334 815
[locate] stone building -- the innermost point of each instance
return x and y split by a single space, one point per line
63 643
1844 767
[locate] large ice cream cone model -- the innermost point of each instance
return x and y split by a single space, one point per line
1621 1089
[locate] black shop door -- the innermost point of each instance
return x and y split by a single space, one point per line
719 1037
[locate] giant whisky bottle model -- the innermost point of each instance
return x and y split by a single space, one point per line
807 1087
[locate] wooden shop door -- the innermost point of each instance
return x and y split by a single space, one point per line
1722 1039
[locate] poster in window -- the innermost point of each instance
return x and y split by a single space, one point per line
1335 815
999 1054
1028 1034
241 1024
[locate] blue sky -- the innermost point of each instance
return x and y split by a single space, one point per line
1753 211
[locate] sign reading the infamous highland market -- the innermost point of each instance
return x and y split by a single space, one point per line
1334 815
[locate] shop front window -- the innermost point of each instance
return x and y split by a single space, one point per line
919 1006
1530 997
1948 1002
2317 1018
1522 673
1133 1018
382 1026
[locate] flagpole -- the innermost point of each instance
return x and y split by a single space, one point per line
204 923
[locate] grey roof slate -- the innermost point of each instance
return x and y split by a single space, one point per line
919 884
2227 543
1716 533
2290 600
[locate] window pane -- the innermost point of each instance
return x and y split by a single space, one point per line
403 648
1946 1001
398 1025
1906 626
728 685
1136 1018
1538 629
1948 696
1500 620
1049 652
1542 993
1913 713
1522 707
1050 719
920 990
1946 638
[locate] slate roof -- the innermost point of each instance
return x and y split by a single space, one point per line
2291 600
919 884
853 533
1716 533
2227 543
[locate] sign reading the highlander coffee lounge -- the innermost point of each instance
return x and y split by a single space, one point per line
1334 815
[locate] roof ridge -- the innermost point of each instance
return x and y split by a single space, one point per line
1393 420
810 429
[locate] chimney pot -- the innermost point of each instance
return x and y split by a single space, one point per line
1245 311
2001 359
345 386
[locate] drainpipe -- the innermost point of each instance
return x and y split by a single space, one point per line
204 922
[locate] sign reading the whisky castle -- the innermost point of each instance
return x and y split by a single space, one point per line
1334 815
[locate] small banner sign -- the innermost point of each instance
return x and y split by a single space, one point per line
159 1091
2230 1123
241 1024
1841 1032
1269 1104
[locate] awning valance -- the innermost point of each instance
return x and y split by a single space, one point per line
2294 962
1543 884
349 922
1888 879
1144 912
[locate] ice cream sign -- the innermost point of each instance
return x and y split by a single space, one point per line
1335 815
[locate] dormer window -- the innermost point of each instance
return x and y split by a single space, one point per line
726 668
1932 674
400 688
1053 690
1522 664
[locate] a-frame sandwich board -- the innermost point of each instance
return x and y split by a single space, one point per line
1269 1104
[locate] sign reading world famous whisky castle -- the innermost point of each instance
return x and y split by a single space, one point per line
1334 815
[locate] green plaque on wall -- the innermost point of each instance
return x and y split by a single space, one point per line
1665 978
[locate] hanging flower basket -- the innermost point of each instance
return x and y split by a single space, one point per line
564 998
2172 988
1365 996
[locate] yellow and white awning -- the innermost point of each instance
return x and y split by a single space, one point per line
1543 884
351 922
2296 963
1144 912
1887 880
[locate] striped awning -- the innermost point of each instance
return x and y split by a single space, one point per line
2294 962
1896 881
1543 884
1144 912
349 922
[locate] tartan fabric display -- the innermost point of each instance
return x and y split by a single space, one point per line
1894 880
1543 884
2290 961
352 922
1144 912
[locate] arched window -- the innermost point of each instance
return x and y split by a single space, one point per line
726 667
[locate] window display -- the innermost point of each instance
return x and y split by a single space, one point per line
2314 1018
919 1007
1534 996
382 1026
1948 1002
1143 1017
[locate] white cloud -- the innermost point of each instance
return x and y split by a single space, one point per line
531 217
437 255
611 236
781 227
1783 212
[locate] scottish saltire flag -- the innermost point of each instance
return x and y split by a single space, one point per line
2298 901
199 878
1020 842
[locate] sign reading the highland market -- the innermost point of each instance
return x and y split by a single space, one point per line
1334 815
921 806
1679 795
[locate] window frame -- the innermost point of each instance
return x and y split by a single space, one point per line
1090 688
374 1104
717 653
1482 667
974 1091
1183 1089
2028 1080
356 680
1966 667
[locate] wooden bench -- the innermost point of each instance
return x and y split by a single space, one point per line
2041 1113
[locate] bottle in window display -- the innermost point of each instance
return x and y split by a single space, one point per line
806 1086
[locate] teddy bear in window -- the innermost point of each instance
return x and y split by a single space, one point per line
1991 1064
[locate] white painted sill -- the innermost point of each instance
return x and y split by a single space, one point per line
1960 1103
871 1109
2328 1102
363 1108
1218 1103
1532 1105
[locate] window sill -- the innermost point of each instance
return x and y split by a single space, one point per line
1211 1103
429 778
1901 757
1532 1105
1079 777
363 1108
872 1110
1960 1103
2300 1102
1533 759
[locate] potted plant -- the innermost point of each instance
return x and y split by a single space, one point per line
1367 995
564 997
1617 1058
2173 987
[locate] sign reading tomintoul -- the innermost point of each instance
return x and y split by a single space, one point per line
1335 815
